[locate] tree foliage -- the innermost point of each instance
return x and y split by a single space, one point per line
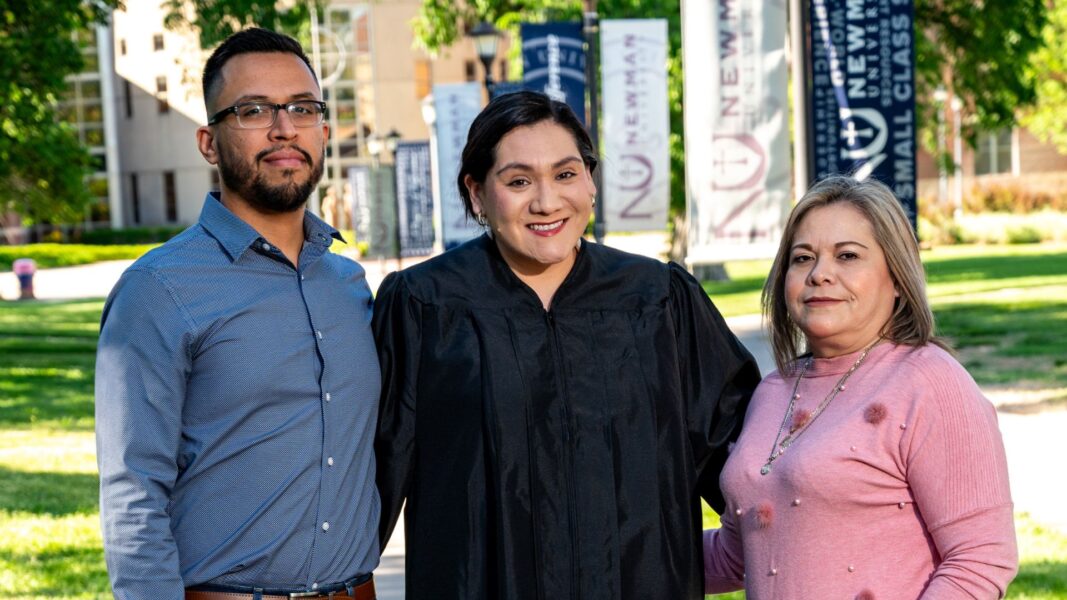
1046 118
980 51
42 164
215 20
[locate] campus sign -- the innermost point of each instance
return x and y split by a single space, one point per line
414 198
553 62
456 105
737 147
636 124
863 92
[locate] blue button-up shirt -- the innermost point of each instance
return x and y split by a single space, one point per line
236 401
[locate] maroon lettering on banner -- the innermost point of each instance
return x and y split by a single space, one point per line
739 162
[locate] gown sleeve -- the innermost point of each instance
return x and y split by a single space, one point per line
397 336
718 378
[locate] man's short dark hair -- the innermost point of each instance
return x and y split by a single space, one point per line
247 41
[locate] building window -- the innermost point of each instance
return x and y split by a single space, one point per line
157 41
122 47
161 94
170 198
470 71
423 78
992 154
135 199
127 92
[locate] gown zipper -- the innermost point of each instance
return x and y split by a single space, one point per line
550 321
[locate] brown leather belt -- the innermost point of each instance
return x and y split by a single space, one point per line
363 591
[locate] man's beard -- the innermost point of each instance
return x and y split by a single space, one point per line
241 177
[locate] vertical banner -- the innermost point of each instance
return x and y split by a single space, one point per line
414 198
382 196
456 106
736 128
503 88
358 197
553 62
636 125
863 92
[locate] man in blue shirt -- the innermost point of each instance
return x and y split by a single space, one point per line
237 382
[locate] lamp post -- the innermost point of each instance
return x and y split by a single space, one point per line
486 40
940 97
957 156
391 140
591 30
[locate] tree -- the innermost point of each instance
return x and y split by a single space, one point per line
1049 70
215 20
42 164
979 51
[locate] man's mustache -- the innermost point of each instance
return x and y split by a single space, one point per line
263 154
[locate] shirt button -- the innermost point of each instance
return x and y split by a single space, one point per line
315 586
302 277
329 461
266 247
325 525
318 334
327 396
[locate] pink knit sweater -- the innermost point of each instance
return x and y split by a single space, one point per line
898 490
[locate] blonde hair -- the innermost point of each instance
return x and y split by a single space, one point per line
912 321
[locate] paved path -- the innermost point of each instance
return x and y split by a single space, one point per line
1032 440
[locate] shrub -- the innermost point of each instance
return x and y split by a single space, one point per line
1024 235
132 235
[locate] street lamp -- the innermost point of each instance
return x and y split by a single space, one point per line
486 39
375 145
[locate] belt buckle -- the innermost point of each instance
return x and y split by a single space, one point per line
311 594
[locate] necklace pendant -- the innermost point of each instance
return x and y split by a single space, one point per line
766 469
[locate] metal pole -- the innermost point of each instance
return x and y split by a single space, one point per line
316 61
957 156
591 29
798 30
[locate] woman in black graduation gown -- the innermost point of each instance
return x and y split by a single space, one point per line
552 409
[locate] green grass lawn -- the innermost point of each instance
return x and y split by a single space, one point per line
49 525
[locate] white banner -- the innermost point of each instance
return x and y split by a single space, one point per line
456 106
736 128
636 124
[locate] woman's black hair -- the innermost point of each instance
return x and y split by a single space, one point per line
505 113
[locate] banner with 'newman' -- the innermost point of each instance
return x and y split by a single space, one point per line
636 124
863 92
736 128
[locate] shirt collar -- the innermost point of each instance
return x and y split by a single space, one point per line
236 236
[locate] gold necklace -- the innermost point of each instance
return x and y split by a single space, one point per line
779 446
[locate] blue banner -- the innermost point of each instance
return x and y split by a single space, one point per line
863 92
553 62
414 192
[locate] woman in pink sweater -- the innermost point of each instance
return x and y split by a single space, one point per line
870 466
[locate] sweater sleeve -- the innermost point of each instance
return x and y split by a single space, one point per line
724 558
958 475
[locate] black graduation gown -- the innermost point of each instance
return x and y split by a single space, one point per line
557 454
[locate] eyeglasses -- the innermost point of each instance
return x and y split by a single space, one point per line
261 115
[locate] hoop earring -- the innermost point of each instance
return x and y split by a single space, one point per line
594 200
480 218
